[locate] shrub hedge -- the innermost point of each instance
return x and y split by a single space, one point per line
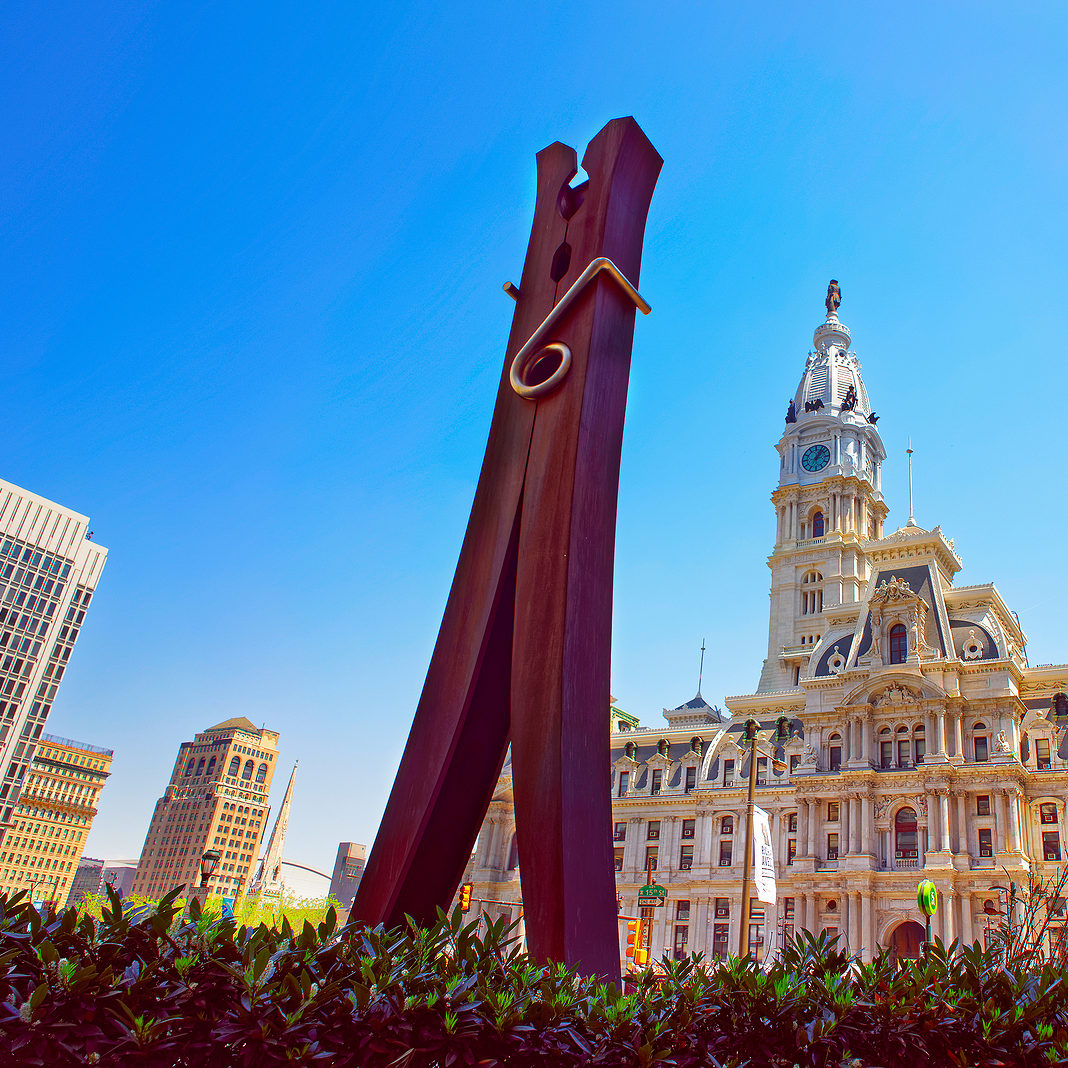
140 986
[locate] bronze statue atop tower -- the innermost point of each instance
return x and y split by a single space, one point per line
834 298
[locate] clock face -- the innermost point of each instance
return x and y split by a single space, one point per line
816 458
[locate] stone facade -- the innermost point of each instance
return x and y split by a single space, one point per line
919 741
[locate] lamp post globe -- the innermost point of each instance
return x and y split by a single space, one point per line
208 863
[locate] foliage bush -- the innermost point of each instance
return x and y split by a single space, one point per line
140 986
250 911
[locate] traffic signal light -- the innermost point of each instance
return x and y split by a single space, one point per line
634 940
465 897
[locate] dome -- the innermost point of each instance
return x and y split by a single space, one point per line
832 376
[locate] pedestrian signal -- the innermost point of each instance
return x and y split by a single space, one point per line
465 897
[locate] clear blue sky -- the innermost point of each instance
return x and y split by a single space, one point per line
251 323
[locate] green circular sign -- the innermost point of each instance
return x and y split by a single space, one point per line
927 897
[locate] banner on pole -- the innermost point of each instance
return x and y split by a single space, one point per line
763 858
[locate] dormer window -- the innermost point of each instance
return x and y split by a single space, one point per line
630 749
657 781
1042 753
899 644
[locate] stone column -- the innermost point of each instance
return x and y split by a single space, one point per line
934 823
802 827
999 822
868 938
865 739
867 843
1014 821
940 732
962 824
958 734
854 825
967 936
489 853
813 807
929 734
845 825
946 926
633 846
699 940
943 811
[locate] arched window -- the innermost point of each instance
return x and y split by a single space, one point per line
696 746
899 644
886 748
189 767
235 766
906 835
211 765
663 747
811 593
835 752
630 749
1060 704
261 773
246 771
817 524
980 743
200 767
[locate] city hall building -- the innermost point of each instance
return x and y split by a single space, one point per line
917 740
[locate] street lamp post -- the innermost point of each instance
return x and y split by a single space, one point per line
208 863
752 729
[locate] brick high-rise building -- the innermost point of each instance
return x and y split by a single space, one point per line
51 821
48 571
216 799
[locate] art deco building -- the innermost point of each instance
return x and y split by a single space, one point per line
53 816
48 571
921 743
216 799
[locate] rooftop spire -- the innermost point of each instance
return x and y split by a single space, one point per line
269 878
701 669
912 520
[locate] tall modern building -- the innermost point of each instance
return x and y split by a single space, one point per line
919 741
216 799
48 571
43 847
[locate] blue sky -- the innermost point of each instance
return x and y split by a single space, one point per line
251 323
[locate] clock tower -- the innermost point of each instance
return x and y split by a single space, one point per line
828 502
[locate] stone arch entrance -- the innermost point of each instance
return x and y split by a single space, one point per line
907 940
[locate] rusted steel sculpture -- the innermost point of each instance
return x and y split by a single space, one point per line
523 655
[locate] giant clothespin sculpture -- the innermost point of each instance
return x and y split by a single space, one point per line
524 651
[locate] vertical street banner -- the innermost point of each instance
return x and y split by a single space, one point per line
763 858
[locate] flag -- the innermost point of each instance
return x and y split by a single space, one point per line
763 858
